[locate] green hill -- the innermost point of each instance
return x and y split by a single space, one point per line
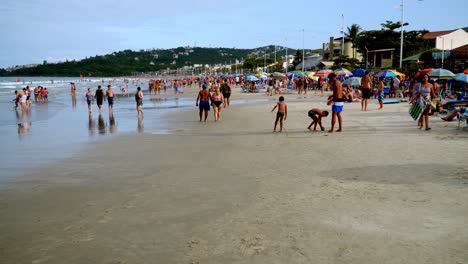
126 62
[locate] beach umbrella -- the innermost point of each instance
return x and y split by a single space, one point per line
465 71
461 77
323 73
358 72
388 74
353 81
342 72
263 77
295 74
251 78
424 71
279 75
299 73
310 74
441 73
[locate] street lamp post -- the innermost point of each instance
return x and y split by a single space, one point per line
401 37
443 47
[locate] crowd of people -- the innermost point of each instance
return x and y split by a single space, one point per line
215 92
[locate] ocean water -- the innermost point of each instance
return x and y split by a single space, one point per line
58 128
62 126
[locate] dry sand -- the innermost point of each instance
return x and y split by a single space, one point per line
382 191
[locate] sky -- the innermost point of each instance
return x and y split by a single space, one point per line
55 30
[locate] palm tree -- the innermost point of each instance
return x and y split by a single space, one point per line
352 34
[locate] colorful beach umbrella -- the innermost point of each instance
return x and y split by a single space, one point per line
343 72
388 74
295 74
323 73
423 71
441 74
310 74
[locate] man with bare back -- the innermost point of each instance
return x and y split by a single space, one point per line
204 97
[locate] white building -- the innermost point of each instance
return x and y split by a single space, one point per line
447 40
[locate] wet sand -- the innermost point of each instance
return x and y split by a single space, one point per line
382 191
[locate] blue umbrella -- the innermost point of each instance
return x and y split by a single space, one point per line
461 77
251 78
359 72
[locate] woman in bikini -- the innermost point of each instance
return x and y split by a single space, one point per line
424 92
217 101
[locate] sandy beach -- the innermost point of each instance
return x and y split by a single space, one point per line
382 191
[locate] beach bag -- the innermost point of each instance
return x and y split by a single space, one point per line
415 110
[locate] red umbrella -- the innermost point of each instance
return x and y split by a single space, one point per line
465 71
323 73
424 71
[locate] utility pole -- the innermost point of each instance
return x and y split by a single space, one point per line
342 35
303 50
401 37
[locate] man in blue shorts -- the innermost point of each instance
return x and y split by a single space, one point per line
204 97
337 102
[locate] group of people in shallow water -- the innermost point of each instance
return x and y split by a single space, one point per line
23 97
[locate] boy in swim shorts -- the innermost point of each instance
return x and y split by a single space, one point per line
316 115
281 114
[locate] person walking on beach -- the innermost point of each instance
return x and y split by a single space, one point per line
316 115
336 101
281 114
226 91
139 101
424 92
89 99
381 92
110 97
366 86
99 96
204 97
72 88
217 101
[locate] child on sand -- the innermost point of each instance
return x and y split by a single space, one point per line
282 113
316 115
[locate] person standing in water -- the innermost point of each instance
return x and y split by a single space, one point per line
110 97
99 96
139 101
89 99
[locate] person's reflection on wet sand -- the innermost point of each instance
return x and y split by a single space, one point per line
112 128
24 129
101 124
141 128
91 125
73 101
